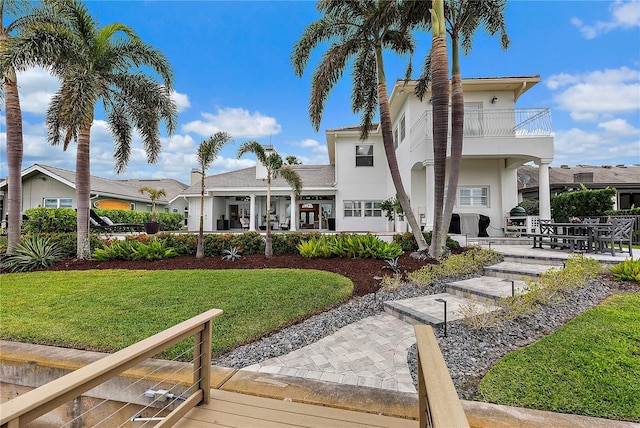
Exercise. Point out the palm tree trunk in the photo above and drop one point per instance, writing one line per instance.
(440, 107)
(268, 248)
(14, 159)
(200, 246)
(390, 152)
(83, 191)
(457, 138)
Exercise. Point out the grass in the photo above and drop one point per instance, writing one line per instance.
(590, 366)
(111, 309)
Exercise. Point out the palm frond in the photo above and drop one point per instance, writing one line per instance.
(292, 177)
(255, 148)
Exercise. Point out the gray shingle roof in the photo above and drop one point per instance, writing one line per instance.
(602, 175)
(313, 176)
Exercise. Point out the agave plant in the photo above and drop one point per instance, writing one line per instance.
(33, 253)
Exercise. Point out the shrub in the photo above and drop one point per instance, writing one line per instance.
(35, 252)
(287, 243)
(50, 220)
(351, 246)
(629, 270)
(582, 203)
(454, 266)
(408, 242)
(134, 250)
(531, 206)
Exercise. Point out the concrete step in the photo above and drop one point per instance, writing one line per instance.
(536, 260)
(513, 270)
(499, 240)
(487, 289)
(428, 310)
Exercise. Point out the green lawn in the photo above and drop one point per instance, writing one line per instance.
(591, 366)
(111, 309)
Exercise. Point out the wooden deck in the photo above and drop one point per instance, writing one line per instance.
(228, 409)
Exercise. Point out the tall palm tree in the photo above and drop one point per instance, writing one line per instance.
(207, 153)
(13, 114)
(275, 167)
(462, 19)
(359, 30)
(99, 64)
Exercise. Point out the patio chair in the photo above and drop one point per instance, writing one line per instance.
(286, 224)
(244, 222)
(103, 222)
(620, 232)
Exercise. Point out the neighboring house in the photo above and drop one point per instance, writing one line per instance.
(624, 178)
(346, 194)
(51, 187)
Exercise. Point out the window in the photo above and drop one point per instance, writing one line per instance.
(58, 203)
(364, 155)
(352, 208)
(395, 137)
(372, 209)
(473, 196)
(403, 129)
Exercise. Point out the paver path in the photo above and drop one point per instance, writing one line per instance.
(371, 352)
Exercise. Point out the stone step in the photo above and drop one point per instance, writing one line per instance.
(513, 270)
(536, 260)
(428, 310)
(499, 240)
(487, 289)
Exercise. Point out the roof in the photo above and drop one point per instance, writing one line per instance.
(128, 189)
(313, 176)
(603, 176)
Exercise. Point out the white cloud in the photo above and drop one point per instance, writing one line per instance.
(314, 153)
(612, 142)
(236, 121)
(36, 87)
(181, 100)
(620, 127)
(179, 143)
(589, 96)
(624, 14)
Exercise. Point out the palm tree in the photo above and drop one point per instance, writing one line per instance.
(359, 30)
(293, 160)
(99, 64)
(275, 167)
(207, 153)
(13, 115)
(462, 19)
(154, 195)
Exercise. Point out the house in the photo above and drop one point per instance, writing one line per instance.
(346, 194)
(624, 178)
(52, 187)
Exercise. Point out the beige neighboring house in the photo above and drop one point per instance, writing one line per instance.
(52, 187)
(346, 194)
(624, 178)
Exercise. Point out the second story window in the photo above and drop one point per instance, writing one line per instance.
(364, 155)
(403, 128)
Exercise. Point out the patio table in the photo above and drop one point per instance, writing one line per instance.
(579, 236)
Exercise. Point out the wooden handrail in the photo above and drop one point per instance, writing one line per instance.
(33, 404)
(439, 405)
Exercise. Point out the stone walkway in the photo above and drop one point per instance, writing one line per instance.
(371, 352)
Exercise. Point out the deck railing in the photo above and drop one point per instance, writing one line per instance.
(33, 404)
(520, 122)
(438, 402)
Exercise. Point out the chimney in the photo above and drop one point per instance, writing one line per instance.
(261, 170)
(196, 177)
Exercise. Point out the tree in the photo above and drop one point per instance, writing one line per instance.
(293, 160)
(13, 115)
(95, 64)
(275, 168)
(207, 153)
(359, 30)
(462, 19)
(154, 195)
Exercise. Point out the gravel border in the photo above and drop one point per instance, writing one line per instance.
(469, 354)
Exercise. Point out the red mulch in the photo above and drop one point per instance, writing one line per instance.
(360, 271)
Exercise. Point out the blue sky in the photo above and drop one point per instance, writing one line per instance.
(232, 73)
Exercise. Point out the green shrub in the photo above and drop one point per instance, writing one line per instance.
(50, 220)
(582, 203)
(154, 249)
(408, 242)
(456, 265)
(32, 253)
(287, 243)
(348, 245)
(531, 206)
(167, 221)
(629, 270)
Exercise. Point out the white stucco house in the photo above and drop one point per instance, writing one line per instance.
(345, 195)
(51, 187)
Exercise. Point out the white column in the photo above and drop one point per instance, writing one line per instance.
(252, 212)
(293, 221)
(431, 197)
(544, 193)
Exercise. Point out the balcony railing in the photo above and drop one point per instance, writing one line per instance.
(521, 123)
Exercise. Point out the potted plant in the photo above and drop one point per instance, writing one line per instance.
(152, 227)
